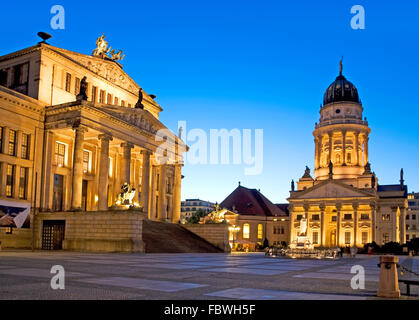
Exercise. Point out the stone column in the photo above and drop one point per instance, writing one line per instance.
(306, 210)
(338, 208)
(316, 153)
(355, 207)
(322, 226)
(373, 222)
(103, 172)
(126, 162)
(356, 135)
(177, 193)
(402, 222)
(145, 181)
(162, 194)
(330, 147)
(77, 168)
(46, 177)
(291, 211)
(344, 147)
(366, 151)
(3, 178)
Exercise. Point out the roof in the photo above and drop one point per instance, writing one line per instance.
(250, 202)
(283, 207)
(390, 188)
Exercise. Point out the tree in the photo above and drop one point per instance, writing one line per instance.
(196, 216)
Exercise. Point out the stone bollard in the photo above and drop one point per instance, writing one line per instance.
(389, 283)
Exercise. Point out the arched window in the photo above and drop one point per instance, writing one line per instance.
(260, 231)
(246, 231)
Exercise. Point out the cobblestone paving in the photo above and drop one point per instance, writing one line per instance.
(26, 275)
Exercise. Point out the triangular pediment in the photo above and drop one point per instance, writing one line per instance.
(109, 70)
(332, 189)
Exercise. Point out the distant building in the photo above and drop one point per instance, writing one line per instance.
(412, 216)
(190, 206)
(254, 218)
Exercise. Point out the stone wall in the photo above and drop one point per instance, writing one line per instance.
(105, 231)
(216, 234)
(18, 239)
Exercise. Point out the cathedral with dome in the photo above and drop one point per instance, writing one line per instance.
(342, 200)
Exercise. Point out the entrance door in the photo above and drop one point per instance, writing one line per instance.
(53, 232)
(57, 202)
(84, 196)
(333, 238)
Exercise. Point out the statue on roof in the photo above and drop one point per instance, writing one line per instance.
(292, 185)
(307, 173)
(116, 56)
(367, 168)
(101, 47)
(139, 103)
(82, 95)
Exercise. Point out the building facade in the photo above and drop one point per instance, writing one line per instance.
(62, 153)
(190, 206)
(253, 219)
(412, 216)
(343, 203)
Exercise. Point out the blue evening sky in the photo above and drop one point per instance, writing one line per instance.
(254, 65)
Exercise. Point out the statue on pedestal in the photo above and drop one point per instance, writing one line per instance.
(83, 89)
(126, 195)
(139, 103)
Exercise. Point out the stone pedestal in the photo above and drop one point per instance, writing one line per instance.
(389, 284)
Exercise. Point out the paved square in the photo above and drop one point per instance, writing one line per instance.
(26, 275)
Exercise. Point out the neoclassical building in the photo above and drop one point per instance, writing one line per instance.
(63, 153)
(343, 202)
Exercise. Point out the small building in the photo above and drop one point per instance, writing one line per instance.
(412, 216)
(254, 220)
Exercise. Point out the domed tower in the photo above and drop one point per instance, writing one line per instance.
(341, 136)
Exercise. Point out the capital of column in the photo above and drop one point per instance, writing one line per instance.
(146, 152)
(338, 207)
(105, 137)
(322, 208)
(79, 129)
(127, 145)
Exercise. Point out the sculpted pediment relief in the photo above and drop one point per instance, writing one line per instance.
(136, 118)
(106, 69)
(331, 190)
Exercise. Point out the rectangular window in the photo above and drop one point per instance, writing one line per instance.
(102, 96)
(315, 217)
(1, 139)
(365, 216)
(122, 103)
(299, 217)
(12, 142)
(364, 237)
(77, 86)
(3, 77)
(407, 217)
(386, 217)
(347, 238)
(260, 231)
(347, 216)
(315, 237)
(10, 178)
(386, 238)
(413, 217)
(334, 219)
(116, 101)
(25, 146)
(86, 161)
(109, 99)
(68, 82)
(246, 231)
(20, 78)
(23, 182)
(157, 182)
(94, 94)
(60, 154)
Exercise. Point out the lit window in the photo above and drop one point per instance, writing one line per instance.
(23, 181)
(364, 237)
(86, 161)
(260, 231)
(60, 154)
(10, 178)
(246, 231)
(110, 166)
(365, 216)
(347, 238)
(12, 142)
(102, 96)
(315, 237)
(386, 217)
(68, 82)
(25, 146)
(94, 94)
(77, 86)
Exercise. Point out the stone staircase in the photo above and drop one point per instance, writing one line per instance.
(163, 237)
